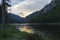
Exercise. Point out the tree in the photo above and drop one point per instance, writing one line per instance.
(5, 4)
(4, 14)
(0, 14)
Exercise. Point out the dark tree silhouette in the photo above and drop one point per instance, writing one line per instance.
(4, 15)
(0, 14)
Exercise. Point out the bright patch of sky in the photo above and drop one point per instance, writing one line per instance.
(0, 1)
(24, 8)
(15, 2)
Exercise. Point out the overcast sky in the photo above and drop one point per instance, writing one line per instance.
(0, 1)
(26, 7)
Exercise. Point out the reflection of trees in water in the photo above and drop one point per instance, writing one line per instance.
(42, 32)
(33, 37)
(51, 32)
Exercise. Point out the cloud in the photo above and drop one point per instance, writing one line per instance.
(29, 6)
(0, 1)
(14, 2)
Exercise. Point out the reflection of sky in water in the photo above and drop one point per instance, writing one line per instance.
(26, 28)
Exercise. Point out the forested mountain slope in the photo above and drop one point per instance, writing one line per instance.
(51, 16)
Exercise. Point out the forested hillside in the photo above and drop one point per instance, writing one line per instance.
(52, 16)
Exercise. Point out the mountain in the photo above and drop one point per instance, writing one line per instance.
(12, 18)
(31, 16)
(49, 14)
(47, 8)
(15, 18)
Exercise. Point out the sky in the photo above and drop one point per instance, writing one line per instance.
(24, 8)
(0, 1)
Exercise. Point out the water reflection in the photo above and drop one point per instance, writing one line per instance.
(26, 28)
(44, 30)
